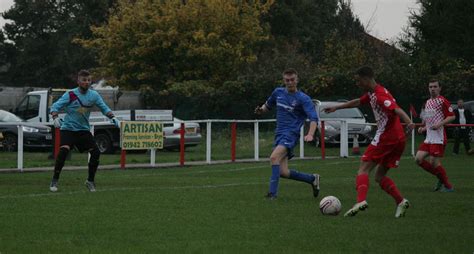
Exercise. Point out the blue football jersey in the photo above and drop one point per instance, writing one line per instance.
(78, 108)
(292, 109)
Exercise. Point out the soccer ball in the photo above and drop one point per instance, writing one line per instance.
(330, 205)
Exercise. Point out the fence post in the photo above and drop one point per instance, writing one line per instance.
(322, 141)
(153, 157)
(302, 142)
(181, 145)
(234, 140)
(20, 147)
(208, 142)
(255, 140)
(344, 151)
(123, 155)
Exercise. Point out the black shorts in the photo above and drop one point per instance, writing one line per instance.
(82, 140)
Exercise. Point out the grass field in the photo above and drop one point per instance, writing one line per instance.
(221, 209)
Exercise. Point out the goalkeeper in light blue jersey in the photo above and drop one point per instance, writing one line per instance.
(75, 129)
(293, 107)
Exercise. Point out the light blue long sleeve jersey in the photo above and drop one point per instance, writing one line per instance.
(292, 109)
(78, 108)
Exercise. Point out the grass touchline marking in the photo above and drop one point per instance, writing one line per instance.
(195, 172)
(34, 195)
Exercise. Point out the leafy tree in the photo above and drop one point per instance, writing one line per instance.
(442, 28)
(158, 42)
(6, 50)
(309, 23)
(174, 49)
(441, 45)
(41, 34)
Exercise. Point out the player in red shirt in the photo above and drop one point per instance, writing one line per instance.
(436, 114)
(387, 146)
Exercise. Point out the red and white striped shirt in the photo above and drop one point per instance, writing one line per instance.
(389, 128)
(436, 110)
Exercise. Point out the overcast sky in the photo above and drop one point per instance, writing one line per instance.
(384, 19)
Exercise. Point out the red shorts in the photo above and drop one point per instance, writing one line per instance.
(387, 155)
(435, 150)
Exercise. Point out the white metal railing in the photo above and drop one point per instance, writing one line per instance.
(344, 138)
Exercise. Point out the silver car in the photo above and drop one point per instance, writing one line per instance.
(357, 126)
(172, 136)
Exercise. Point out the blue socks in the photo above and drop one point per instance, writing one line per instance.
(303, 177)
(274, 179)
(294, 175)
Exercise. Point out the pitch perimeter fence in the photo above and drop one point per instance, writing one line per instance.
(343, 134)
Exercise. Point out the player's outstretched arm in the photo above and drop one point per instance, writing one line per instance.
(312, 129)
(259, 110)
(350, 104)
(405, 118)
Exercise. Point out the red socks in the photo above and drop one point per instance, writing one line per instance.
(362, 187)
(427, 166)
(439, 172)
(389, 186)
(443, 177)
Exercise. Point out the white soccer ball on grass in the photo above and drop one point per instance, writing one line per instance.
(330, 205)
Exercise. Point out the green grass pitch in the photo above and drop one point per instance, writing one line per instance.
(221, 209)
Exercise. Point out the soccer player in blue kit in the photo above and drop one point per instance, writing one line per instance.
(75, 129)
(293, 107)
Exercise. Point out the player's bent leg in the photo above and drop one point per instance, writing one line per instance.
(278, 153)
(362, 180)
(58, 166)
(443, 184)
(425, 161)
(440, 172)
(420, 157)
(284, 170)
(362, 187)
(387, 184)
(93, 165)
(434, 166)
(293, 174)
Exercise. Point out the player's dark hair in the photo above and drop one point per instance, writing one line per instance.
(83, 73)
(434, 80)
(366, 72)
(290, 71)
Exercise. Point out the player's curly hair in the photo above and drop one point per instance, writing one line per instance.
(366, 72)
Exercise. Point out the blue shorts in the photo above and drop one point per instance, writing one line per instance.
(287, 141)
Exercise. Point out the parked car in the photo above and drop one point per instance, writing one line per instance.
(357, 126)
(172, 136)
(34, 135)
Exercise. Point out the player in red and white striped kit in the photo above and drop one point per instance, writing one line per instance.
(437, 113)
(387, 146)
